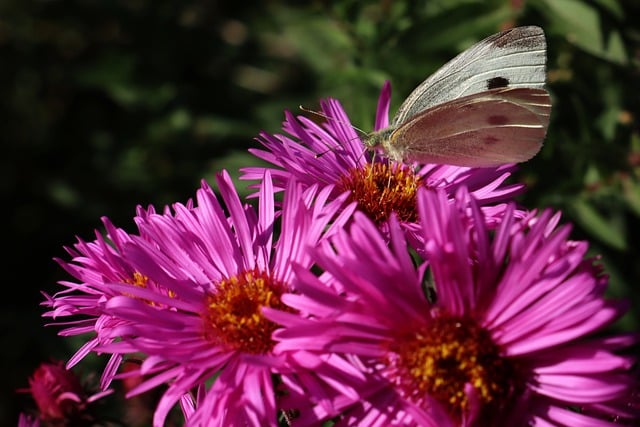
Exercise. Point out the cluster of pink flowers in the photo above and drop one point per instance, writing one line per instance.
(350, 290)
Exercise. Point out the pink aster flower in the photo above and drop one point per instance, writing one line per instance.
(80, 306)
(507, 328)
(219, 263)
(60, 397)
(333, 153)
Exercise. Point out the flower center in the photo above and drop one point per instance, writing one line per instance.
(380, 189)
(234, 317)
(139, 280)
(445, 356)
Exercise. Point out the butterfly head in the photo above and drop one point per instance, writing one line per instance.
(383, 139)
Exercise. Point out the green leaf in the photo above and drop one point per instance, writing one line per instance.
(580, 22)
(611, 6)
(603, 228)
(631, 195)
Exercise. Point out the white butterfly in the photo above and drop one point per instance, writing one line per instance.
(486, 107)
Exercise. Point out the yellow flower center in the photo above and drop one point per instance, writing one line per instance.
(234, 313)
(380, 189)
(443, 357)
(139, 280)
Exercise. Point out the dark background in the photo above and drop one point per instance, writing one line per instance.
(105, 105)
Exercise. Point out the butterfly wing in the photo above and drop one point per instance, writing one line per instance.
(513, 58)
(495, 127)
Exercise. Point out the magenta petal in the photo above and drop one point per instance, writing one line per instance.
(382, 112)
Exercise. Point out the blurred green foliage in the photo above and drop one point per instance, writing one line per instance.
(107, 104)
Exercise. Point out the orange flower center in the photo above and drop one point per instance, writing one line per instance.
(445, 356)
(234, 313)
(380, 189)
(139, 280)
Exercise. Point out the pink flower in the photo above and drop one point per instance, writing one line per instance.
(505, 327)
(217, 264)
(333, 153)
(59, 396)
(95, 265)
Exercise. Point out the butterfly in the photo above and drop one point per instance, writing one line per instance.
(486, 107)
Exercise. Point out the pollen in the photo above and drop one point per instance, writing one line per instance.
(446, 356)
(233, 317)
(139, 280)
(380, 188)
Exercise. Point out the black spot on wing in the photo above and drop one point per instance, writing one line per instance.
(497, 82)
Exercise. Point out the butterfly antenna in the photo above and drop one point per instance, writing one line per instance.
(322, 153)
(326, 117)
